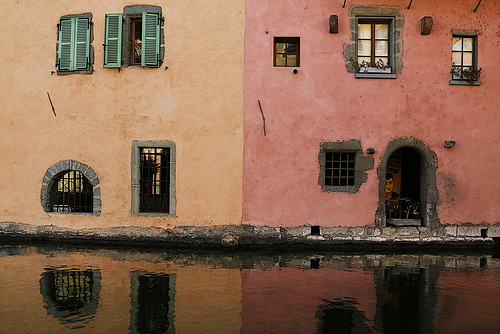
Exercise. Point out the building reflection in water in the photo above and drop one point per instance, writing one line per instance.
(71, 295)
(152, 297)
(405, 299)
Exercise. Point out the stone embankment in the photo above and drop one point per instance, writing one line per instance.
(246, 236)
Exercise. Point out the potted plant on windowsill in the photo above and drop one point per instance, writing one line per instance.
(468, 74)
(379, 67)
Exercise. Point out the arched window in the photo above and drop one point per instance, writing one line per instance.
(72, 192)
(71, 187)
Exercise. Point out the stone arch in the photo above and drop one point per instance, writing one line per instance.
(428, 189)
(54, 171)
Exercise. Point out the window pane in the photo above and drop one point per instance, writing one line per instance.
(467, 44)
(382, 31)
(384, 60)
(467, 59)
(364, 59)
(280, 47)
(457, 44)
(364, 48)
(280, 60)
(457, 58)
(291, 60)
(364, 31)
(381, 48)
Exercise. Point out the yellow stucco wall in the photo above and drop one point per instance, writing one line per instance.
(197, 103)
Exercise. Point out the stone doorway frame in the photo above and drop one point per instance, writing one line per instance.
(428, 189)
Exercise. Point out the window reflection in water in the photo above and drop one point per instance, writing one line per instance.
(341, 316)
(70, 295)
(152, 297)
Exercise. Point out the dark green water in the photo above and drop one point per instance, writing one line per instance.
(56, 289)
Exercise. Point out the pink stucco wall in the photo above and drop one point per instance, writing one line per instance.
(325, 103)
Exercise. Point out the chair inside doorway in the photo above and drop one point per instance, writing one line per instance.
(403, 200)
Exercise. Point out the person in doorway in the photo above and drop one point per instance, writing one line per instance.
(390, 195)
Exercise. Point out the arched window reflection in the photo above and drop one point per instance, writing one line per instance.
(152, 297)
(70, 295)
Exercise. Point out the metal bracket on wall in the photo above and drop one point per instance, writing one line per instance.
(263, 118)
(477, 6)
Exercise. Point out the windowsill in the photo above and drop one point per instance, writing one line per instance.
(153, 214)
(73, 213)
(375, 75)
(340, 189)
(464, 83)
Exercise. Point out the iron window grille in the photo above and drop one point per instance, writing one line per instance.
(154, 181)
(286, 51)
(339, 169)
(72, 193)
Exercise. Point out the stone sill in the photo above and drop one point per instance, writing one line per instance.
(464, 83)
(404, 222)
(375, 76)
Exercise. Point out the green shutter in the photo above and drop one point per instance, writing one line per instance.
(82, 44)
(73, 44)
(65, 49)
(113, 41)
(150, 56)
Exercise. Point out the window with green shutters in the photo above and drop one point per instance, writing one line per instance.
(73, 51)
(133, 38)
(150, 56)
(113, 41)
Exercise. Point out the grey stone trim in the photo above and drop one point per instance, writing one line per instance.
(135, 11)
(464, 83)
(396, 20)
(361, 164)
(135, 176)
(262, 237)
(91, 51)
(428, 189)
(64, 166)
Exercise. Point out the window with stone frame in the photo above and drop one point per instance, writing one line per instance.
(342, 166)
(134, 37)
(376, 44)
(153, 178)
(71, 187)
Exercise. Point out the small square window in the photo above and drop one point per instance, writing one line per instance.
(287, 51)
(342, 166)
(339, 169)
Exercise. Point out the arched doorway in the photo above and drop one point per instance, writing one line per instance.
(402, 188)
(407, 185)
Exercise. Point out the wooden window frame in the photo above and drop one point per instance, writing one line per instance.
(373, 69)
(133, 43)
(462, 52)
(288, 40)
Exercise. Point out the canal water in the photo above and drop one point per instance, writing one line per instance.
(55, 289)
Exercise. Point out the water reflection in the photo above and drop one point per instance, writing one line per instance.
(152, 297)
(70, 295)
(91, 290)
